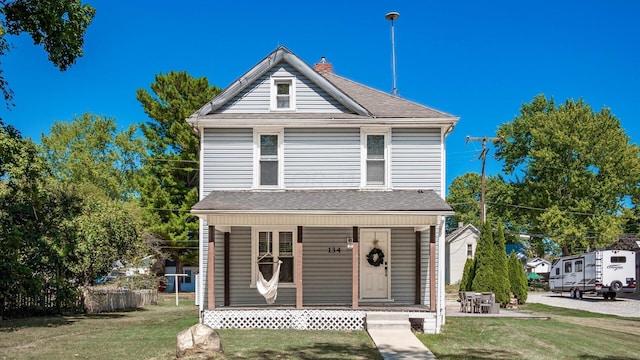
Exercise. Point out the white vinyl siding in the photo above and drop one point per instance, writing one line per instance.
(309, 98)
(227, 159)
(322, 158)
(416, 159)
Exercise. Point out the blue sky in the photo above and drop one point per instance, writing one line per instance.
(477, 60)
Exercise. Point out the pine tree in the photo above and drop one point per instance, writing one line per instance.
(501, 270)
(484, 260)
(467, 275)
(517, 278)
(169, 181)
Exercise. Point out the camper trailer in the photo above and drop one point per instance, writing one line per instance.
(605, 272)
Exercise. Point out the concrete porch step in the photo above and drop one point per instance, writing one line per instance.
(387, 320)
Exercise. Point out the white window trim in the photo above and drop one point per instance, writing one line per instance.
(255, 231)
(256, 157)
(292, 92)
(387, 157)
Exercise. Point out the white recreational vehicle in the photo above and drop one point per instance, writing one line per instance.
(605, 272)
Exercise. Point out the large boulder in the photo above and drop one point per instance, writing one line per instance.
(198, 341)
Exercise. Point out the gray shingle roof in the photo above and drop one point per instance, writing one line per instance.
(381, 104)
(363, 101)
(454, 234)
(323, 200)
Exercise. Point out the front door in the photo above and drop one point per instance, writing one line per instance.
(375, 270)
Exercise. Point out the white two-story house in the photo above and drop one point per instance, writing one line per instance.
(333, 185)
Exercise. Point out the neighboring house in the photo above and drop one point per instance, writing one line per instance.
(187, 283)
(538, 266)
(519, 250)
(460, 245)
(342, 183)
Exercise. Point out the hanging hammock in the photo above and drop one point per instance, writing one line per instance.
(269, 289)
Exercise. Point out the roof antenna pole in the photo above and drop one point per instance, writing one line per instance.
(393, 16)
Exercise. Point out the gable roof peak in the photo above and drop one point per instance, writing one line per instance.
(281, 53)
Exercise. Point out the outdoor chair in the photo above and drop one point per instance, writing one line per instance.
(486, 303)
(469, 301)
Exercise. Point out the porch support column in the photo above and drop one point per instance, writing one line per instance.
(418, 254)
(227, 270)
(211, 256)
(355, 269)
(298, 268)
(432, 268)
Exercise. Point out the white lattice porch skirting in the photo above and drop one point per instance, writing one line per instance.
(308, 319)
(285, 319)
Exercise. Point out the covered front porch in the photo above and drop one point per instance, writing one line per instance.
(340, 263)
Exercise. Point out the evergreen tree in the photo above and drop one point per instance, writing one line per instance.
(467, 275)
(517, 278)
(169, 181)
(501, 270)
(484, 261)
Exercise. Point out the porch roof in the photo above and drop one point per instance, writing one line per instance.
(323, 207)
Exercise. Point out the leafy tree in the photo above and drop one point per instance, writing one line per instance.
(105, 232)
(517, 279)
(464, 198)
(58, 25)
(89, 150)
(574, 168)
(32, 212)
(169, 182)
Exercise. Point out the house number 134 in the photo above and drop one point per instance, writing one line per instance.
(334, 250)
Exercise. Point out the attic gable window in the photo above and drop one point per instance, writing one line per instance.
(282, 94)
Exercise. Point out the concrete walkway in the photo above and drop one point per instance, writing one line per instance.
(399, 345)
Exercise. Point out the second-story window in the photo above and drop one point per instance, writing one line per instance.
(269, 159)
(375, 160)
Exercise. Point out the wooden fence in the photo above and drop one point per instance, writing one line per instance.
(44, 303)
(97, 300)
(90, 300)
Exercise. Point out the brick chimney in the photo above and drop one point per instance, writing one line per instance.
(323, 66)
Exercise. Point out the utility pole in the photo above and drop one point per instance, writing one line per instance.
(483, 157)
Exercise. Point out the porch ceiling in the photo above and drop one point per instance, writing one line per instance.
(322, 208)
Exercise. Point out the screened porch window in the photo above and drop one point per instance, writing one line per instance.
(274, 246)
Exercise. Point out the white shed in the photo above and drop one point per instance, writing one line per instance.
(460, 245)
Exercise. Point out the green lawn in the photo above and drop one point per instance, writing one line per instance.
(150, 333)
(567, 334)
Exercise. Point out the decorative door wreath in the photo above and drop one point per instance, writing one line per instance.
(375, 257)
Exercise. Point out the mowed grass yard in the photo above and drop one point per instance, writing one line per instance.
(150, 333)
(566, 334)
